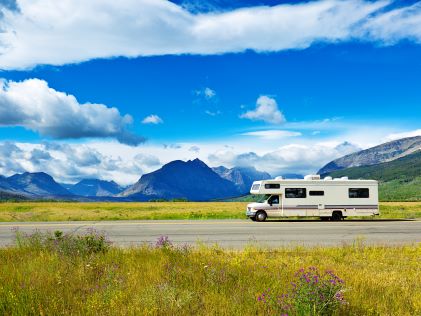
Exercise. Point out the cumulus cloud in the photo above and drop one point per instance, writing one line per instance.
(272, 134)
(209, 93)
(266, 110)
(394, 136)
(147, 160)
(392, 26)
(70, 31)
(32, 104)
(194, 149)
(295, 158)
(70, 163)
(152, 119)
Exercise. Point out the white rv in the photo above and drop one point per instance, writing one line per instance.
(326, 198)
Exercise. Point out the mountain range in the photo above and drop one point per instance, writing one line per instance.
(94, 187)
(192, 180)
(242, 177)
(382, 153)
(399, 177)
(31, 185)
(396, 165)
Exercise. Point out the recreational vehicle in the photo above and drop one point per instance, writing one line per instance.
(329, 199)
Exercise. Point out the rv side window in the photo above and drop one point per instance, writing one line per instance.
(295, 193)
(358, 193)
(274, 199)
(316, 193)
(272, 186)
(255, 187)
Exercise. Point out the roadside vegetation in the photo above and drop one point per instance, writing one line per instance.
(73, 211)
(59, 274)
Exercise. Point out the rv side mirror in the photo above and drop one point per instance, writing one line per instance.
(270, 203)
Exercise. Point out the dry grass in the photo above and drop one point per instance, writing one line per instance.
(202, 281)
(71, 211)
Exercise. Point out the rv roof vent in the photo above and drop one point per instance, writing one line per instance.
(312, 177)
(328, 178)
(278, 178)
(344, 178)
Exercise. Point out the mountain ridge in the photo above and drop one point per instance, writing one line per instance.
(192, 180)
(385, 152)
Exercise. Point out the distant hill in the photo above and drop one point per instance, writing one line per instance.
(399, 179)
(192, 180)
(242, 177)
(375, 155)
(7, 195)
(95, 187)
(36, 184)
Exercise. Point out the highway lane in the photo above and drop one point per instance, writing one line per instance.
(235, 233)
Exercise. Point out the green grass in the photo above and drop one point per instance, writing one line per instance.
(401, 190)
(202, 280)
(73, 211)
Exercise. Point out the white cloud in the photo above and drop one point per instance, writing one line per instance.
(110, 160)
(390, 27)
(212, 113)
(394, 136)
(272, 134)
(209, 93)
(152, 119)
(266, 110)
(194, 149)
(70, 31)
(292, 158)
(32, 104)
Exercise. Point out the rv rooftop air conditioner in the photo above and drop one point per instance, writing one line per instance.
(312, 177)
(344, 178)
(327, 178)
(278, 178)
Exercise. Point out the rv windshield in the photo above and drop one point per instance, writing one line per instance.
(259, 198)
(264, 198)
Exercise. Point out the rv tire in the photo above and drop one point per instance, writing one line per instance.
(261, 216)
(336, 216)
(253, 218)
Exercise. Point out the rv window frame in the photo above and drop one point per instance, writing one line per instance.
(295, 197)
(255, 187)
(318, 191)
(358, 194)
(272, 186)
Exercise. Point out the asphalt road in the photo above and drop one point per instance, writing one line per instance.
(235, 233)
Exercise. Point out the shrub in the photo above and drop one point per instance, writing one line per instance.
(64, 244)
(163, 242)
(312, 293)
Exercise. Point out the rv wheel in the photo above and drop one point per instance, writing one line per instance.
(336, 216)
(261, 216)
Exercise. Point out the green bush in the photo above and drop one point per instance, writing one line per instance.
(64, 244)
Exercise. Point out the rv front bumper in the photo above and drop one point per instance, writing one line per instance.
(250, 212)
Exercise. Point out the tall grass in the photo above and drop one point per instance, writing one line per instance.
(166, 280)
(72, 211)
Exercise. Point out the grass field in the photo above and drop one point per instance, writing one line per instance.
(163, 280)
(66, 211)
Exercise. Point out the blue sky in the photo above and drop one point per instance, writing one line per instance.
(284, 97)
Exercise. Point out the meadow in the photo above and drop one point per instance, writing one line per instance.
(64, 275)
(74, 211)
